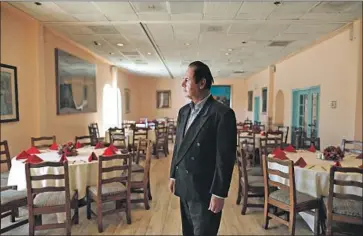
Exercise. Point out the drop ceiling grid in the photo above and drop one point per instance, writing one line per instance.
(189, 39)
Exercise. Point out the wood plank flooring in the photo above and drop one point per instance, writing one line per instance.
(163, 218)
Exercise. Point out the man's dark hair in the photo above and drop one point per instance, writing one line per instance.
(202, 71)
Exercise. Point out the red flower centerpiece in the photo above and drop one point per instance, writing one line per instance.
(332, 153)
(68, 149)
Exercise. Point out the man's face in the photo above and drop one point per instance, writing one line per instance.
(190, 87)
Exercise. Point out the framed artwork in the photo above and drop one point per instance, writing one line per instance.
(127, 100)
(222, 93)
(163, 99)
(75, 84)
(9, 105)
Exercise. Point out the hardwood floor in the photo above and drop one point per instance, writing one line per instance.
(163, 218)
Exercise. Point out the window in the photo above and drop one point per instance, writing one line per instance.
(264, 100)
(250, 96)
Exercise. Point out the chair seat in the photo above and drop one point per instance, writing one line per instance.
(51, 199)
(137, 168)
(255, 181)
(346, 207)
(284, 196)
(109, 189)
(255, 171)
(12, 195)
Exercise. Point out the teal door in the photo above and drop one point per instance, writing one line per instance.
(306, 110)
(256, 111)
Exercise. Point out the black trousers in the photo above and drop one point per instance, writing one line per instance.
(197, 219)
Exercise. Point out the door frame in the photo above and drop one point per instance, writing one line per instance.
(295, 105)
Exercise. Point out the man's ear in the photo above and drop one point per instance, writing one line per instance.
(203, 83)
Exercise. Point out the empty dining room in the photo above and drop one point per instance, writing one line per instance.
(181, 117)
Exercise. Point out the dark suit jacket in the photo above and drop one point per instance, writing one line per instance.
(204, 158)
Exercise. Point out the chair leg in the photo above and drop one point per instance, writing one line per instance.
(88, 205)
(245, 200)
(146, 198)
(99, 216)
(238, 201)
(149, 190)
(31, 225)
(76, 212)
(128, 210)
(13, 214)
(265, 214)
(317, 222)
(292, 223)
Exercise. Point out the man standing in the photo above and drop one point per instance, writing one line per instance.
(204, 154)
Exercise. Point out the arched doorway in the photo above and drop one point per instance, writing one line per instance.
(279, 108)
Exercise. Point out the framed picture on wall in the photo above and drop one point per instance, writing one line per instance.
(127, 100)
(222, 93)
(75, 84)
(163, 99)
(9, 105)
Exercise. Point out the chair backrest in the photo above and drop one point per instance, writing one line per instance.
(139, 133)
(336, 183)
(117, 135)
(123, 166)
(289, 176)
(81, 139)
(242, 167)
(354, 146)
(4, 151)
(94, 128)
(285, 130)
(307, 142)
(148, 160)
(43, 145)
(59, 177)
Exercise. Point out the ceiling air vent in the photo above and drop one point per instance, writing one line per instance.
(238, 72)
(140, 62)
(279, 43)
(132, 54)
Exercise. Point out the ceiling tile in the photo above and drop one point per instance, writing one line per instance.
(312, 29)
(154, 16)
(336, 6)
(150, 7)
(255, 10)
(186, 17)
(90, 17)
(103, 29)
(186, 7)
(291, 10)
(115, 8)
(75, 8)
(221, 10)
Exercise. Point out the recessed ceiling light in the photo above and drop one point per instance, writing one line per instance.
(120, 44)
(96, 43)
(230, 49)
(187, 44)
(244, 42)
(111, 53)
(149, 53)
(226, 53)
(38, 3)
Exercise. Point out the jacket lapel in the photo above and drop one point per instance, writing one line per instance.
(194, 128)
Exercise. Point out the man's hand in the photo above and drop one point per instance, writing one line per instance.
(216, 204)
(172, 185)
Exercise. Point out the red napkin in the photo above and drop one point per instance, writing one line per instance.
(99, 145)
(263, 133)
(33, 150)
(276, 151)
(113, 148)
(92, 157)
(281, 156)
(301, 162)
(78, 145)
(34, 159)
(360, 156)
(337, 163)
(290, 148)
(108, 152)
(312, 148)
(23, 155)
(63, 158)
(54, 146)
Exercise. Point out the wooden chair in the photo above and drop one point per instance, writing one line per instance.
(50, 200)
(341, 207)
(116, 189)
(4, 151)
(307, 142)
(95, 134)
(287, 198)
(141, 180)
(171, 131)
(354, 146)
(138, 133)
(249, 186)
(267, 145)
(81, 140)
(117, 137)
(248, 143)
(11, 200)
(42, 139)
(285, 130)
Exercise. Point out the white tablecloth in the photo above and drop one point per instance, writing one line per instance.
(313, 179)
(81, 172)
